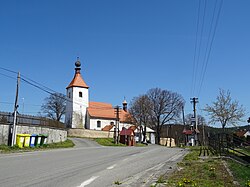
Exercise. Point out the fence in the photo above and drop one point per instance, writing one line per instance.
(230, 145)
(7, 118)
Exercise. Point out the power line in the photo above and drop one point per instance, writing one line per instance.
(11, 71)
(211, 44)
(195, 48)
(8, 76)
(200, 42)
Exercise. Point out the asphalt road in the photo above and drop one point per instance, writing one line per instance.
(89, 165)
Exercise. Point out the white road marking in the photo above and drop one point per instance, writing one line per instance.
(87, 182)
(111, 167)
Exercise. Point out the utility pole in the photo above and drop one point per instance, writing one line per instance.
(13, 138)
(117, 130)
(194, 100)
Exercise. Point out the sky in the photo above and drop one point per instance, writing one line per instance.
(126, 48)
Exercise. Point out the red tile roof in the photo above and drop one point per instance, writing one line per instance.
(105, 110)
(77, 81)
(240, 133)
(127, 132)
(107, 127)
(187, 132)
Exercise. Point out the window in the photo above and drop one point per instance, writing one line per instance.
(69, 94)
(98, 124)
(80, 94)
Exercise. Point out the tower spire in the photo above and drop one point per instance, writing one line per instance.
(78, 80)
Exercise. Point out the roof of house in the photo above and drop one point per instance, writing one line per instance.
(107, 127)
(187, 132)
(105, 110)
(77, 81)
(126, 132)
(240, 133)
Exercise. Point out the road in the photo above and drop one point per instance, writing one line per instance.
(87, 165)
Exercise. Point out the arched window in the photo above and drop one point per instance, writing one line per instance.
(98, 124)
(80, 94)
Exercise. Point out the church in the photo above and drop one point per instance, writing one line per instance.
(82, 113)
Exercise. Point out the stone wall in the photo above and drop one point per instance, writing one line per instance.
(86, 133)
(54, 134)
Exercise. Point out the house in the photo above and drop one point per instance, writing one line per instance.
(127, 136)
(243, 133)
(82, 113)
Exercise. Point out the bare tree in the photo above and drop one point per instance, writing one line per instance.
(224, 110)
(54, 106)
(140, 109)
(166, 106)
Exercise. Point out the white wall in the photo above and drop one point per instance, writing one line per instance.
(93, 124)
(76, 107)
(104, 122)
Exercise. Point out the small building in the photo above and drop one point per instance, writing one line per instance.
(189, 137)
(127, 136)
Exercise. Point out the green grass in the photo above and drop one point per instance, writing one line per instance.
(194, 171)
(193, 154)
(240, 172)
(107, 142)
(110, 142)
(16, 149)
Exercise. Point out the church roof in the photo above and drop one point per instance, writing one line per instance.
(77, 81)
(106, 111)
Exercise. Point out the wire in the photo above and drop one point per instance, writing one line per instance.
(195, 48)
(211, 44)
(8, 76)
(9, 70)
(200, 42)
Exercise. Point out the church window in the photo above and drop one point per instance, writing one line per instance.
(98, 124)
(80, 94)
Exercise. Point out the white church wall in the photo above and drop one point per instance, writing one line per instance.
(77, 106)
(103, 123)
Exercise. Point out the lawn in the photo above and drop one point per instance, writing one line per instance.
(194, 171)
(240, 172)
(110, 142)
(107, 142)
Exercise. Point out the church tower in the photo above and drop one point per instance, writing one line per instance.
(77, 100)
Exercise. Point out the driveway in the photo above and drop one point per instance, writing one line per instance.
(84, 142)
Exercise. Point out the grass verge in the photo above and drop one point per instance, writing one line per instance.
(16, 149)
(107, 142)
(110, 142)
(240, 172)
(193, 171)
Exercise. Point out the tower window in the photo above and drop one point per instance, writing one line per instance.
(69, 94)
(98, 124)
(80, 94)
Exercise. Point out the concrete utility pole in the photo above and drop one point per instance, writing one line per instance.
(117, 130)
(194, 100)
(13, 138)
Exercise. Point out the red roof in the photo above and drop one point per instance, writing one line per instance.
(187, 132)
(105, 110)
(240, 133)
(107, 127)
(127, 132)
(77, 81)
